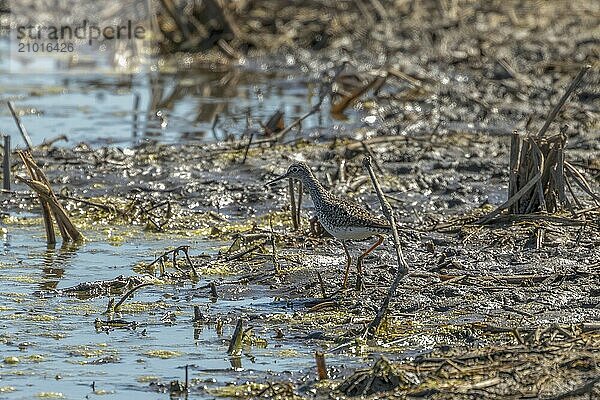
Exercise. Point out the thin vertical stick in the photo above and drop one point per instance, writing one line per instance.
(235, 345)
(322, 285)
(559, 176)
(321, 368)
(515, 147)
(136, 111)
(402, 264)
(563, 99)
(248, 148)
(20, 125)
(276, 265)
(6, 163)
(186, 377)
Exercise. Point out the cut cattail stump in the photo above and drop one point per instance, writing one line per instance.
(321, 368)
(539, 175)
(50, 205)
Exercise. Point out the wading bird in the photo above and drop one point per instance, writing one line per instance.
(343, 219)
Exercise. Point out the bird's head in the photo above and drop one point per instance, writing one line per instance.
(298, 170)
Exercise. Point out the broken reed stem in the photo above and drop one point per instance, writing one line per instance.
(322, 285)
(235, 345)
(321, 367)
(186, 378)
(341, 105)
(6, 164)
(213, 290)
(136, 110)
(510, 201)
(325, 90)
(198, 317)
(581, 181)
(402, 265)
(248, 148)
(186, 250)
(128, 295)
(50, 204)
(370, 153)
(515, 148)
(562, 100)
(20, 125)
(175, 252)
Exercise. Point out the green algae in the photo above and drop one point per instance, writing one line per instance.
(50, 395)
(133, 307)
(164, 354)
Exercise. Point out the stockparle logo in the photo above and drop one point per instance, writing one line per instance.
(81, 36)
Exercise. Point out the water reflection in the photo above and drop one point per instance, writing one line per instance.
(54, 263)
(189, 105)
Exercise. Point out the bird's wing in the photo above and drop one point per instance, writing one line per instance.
(352, 211)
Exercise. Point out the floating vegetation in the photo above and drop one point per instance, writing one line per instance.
(164, 354)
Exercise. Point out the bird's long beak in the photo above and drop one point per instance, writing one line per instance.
(277, 179)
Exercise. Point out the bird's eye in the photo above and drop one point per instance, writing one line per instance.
(294, 169)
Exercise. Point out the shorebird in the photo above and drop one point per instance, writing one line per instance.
(343, 219)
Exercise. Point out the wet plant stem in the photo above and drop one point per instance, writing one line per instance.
(20, 125)
(322, 285)
(136, 110)
(402, 264)
(247, 148)
(235, 345)
(129, 293)
(6, 164)
(321, 367)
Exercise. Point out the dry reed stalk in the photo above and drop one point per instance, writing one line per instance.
(50, 205)
(538, 171)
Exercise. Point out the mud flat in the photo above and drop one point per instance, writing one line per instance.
(193, 268)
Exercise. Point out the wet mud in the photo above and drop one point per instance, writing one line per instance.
(504, 308)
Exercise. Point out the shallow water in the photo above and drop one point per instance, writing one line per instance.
(173, 107)
(59, 350)
(54, 338)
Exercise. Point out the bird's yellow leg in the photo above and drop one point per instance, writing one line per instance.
(360, 261)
